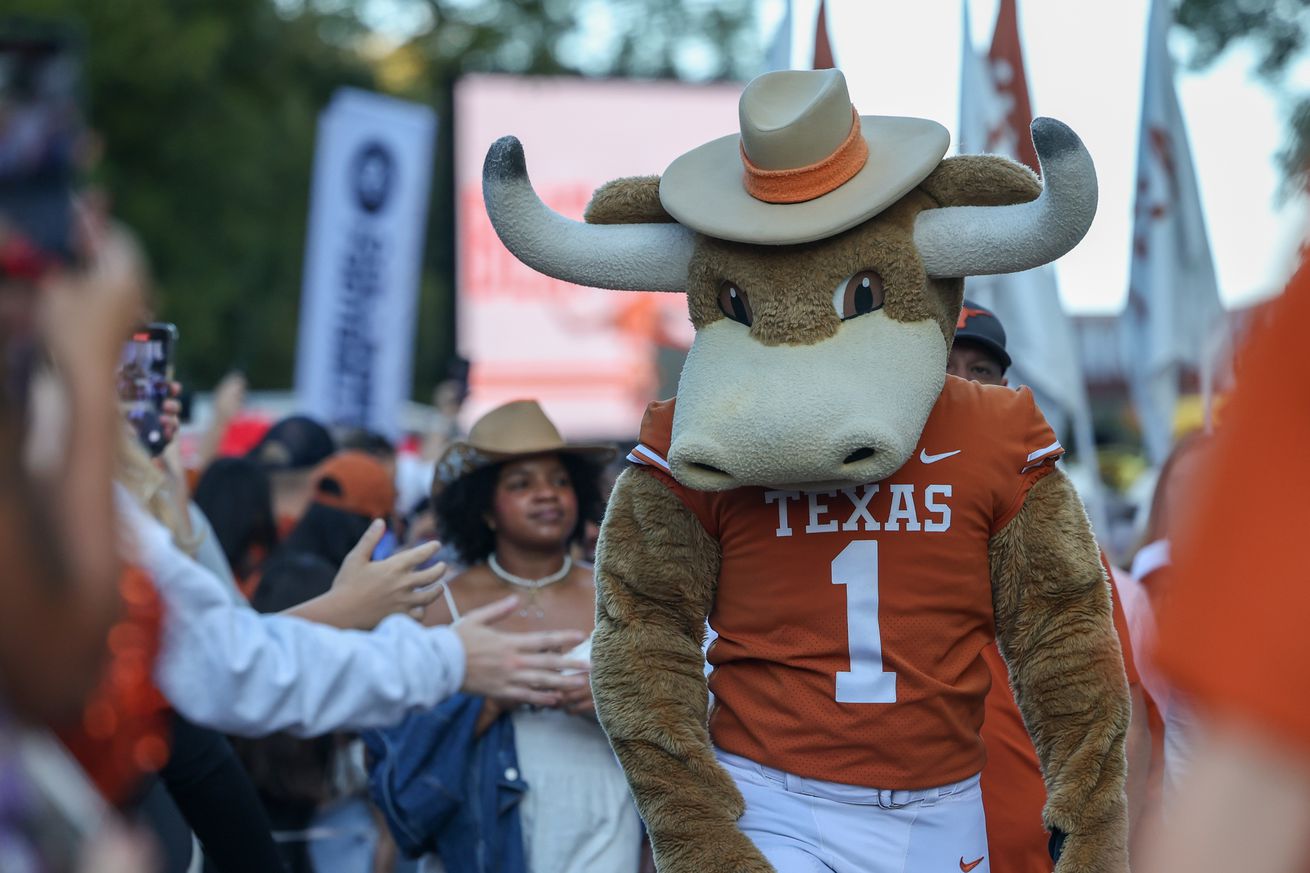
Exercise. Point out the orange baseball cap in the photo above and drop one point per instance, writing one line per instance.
(355, 482)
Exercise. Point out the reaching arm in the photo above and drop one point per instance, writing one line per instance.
(656, 571)
(229, 668)
(1054, 627)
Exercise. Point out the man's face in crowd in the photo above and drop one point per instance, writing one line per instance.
(971, 361)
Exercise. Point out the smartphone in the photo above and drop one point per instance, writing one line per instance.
(389, 545)
(145, 380)
(386, 547)
(43, 137)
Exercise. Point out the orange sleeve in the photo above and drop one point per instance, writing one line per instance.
(1121, 627)
(651, 454)
(1233, 628)
(1029, 454)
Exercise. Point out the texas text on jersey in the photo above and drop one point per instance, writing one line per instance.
(851, 623)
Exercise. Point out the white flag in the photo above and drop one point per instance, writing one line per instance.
(995, 118)
(1173, 306)
(368, 210)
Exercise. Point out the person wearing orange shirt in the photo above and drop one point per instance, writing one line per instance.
(1012, 788)
(1233, 627)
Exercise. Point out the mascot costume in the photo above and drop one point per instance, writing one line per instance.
(854, 525)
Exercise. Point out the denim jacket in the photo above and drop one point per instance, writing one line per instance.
(446, 790)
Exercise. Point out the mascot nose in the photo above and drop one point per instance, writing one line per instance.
(861, 454)
(707, 467)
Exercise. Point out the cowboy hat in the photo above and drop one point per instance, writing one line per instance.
(517, 429)
(806, 166)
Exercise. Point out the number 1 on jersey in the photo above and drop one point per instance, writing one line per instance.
(866, 682)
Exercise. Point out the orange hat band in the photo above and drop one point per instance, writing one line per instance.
(798, 184)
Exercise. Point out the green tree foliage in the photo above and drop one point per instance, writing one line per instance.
(1277, 29)
(208, 110)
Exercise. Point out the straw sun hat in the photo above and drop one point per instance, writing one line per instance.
(518, 429)
(805, 165)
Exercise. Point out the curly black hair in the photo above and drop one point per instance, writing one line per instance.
(462, 506)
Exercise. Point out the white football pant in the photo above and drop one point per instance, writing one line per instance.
(810, 826)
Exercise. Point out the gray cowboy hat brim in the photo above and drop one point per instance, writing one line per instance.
(703, 188)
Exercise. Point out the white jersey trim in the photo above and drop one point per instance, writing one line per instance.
(1149, 558)
(1041, 456)
(643, 454)
(1046, 451)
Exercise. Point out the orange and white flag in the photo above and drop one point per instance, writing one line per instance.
(995, 117)
(802, 40)
(1173, 313)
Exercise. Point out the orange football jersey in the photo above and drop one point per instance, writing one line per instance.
(851, 623)
(1012, 786)
(1233, 629)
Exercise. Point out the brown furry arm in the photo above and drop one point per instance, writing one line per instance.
(1054, 626)
(656, 571)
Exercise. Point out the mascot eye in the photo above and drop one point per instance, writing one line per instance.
(859, 295)
(735, 304)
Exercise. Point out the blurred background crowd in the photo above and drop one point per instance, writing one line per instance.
(297, 578)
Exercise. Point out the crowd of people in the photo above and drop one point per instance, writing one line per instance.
(287, 658)
(208, 656)
(272, 663)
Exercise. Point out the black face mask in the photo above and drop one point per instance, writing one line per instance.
(326, 533)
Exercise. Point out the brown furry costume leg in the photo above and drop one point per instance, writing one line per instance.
(1054, 626)
(655, 579)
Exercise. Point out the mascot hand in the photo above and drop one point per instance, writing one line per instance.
(1089, 853)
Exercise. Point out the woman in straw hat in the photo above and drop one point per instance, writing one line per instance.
(512, 499)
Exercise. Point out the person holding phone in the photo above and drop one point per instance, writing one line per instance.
(71, 284)
(58, 536)
(69, 291)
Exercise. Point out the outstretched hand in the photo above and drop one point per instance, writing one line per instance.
(518, 668)
(368, 591)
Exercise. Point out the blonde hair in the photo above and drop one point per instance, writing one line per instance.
(139, 475)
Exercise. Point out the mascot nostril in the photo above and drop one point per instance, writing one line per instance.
(707, 468)
(851, 616)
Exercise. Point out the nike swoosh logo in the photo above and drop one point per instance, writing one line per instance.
(967, 867)
(932, 459)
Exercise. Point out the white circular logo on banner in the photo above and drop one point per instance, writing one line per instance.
(374, 171)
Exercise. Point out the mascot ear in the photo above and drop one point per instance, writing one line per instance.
(633, 200)
(981, 180)
(990, 223)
